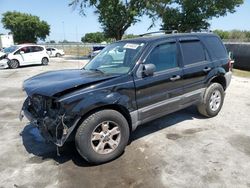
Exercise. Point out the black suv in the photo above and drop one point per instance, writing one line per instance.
(127, 84)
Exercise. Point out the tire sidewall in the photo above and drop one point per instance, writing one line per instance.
(10, 63)
(83, 137)
(211, 89)
(47, 61)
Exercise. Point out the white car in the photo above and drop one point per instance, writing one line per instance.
(26, 54)
(54, 52)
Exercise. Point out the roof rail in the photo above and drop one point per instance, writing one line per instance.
(201, 31)
(161, 31)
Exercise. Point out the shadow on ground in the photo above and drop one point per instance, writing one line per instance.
(36, 145)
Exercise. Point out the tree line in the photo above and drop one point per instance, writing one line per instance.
(116, 16)
(234, 35)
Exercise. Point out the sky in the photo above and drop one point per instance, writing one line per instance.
(66, 23)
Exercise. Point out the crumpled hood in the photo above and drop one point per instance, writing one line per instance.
(51, 83)
(2, 54)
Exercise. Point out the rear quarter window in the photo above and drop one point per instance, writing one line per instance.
(215, 47)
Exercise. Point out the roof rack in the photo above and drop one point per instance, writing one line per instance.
(161, 31)
(201, 31)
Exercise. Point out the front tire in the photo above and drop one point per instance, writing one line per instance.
(13, 64)
(102, 136)
(212, 101)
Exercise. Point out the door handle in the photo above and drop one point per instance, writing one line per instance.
(207, 69)
(176, 77)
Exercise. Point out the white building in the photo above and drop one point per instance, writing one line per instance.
(6, 41)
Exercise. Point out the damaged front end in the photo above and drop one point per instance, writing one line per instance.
(4, 61)
(54, 121)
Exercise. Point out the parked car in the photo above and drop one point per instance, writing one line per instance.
(54, 52)
(100, 105)
(95, 51)
(26, 54)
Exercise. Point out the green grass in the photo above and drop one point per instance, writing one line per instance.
(241, 73)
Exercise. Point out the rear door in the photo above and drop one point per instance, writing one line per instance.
(196, 65)
(37, 54)
(160, 94)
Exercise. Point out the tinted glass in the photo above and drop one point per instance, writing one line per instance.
(26, 49)
(193, 52)
(163, 57)
(215, 47)
(36, 48)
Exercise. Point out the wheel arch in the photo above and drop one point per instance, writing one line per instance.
(15, 60)
(217, 76)
(219, 79)
(117, 107)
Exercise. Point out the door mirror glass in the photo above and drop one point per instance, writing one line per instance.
(148, 69)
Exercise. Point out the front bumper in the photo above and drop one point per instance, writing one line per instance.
(4, 63)
(46, 126)
(228, 77)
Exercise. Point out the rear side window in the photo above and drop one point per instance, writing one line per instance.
(163, 57)
(193, 52)
(36, 49)
(215, 47)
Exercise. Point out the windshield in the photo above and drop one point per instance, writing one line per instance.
(10, 49)
(116, 58)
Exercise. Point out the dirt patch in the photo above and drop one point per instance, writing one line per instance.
(193, 131)
(173, 136)
(241, 143)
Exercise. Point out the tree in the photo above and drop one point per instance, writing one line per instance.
(96, 37)
(222, 34)
(129, 36)
(115, 16)
(25, 27)
(191, 15)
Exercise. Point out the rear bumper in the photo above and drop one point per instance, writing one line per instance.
(228, 77)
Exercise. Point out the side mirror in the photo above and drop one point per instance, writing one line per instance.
(148, 69)
(21, 52)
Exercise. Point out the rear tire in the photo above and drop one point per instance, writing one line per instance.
(45, 61)
(213, 100)
(58, 55)
(102, 136)
(13, 64)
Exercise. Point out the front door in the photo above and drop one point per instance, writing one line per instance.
(25, 54)
(159, 94)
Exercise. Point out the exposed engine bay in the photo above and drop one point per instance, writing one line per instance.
(50, 118)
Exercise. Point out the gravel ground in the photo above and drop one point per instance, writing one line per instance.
(182, 149)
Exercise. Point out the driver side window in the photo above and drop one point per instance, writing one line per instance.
(163, 56)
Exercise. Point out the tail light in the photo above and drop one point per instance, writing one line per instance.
(230, 64)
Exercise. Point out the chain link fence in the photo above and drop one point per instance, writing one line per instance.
(76, 49)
